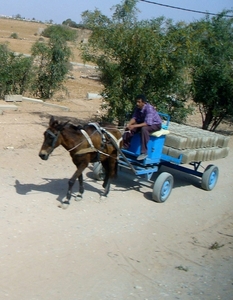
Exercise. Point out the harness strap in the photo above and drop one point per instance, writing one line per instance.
(92, 147)
(84, 151)
(88, 139)
(112, 137)
(97, 127)
(100, 130)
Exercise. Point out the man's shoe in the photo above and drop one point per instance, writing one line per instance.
(142, 156)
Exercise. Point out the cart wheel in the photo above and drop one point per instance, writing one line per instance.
(209, 177)
(162, 187)
(98, 171)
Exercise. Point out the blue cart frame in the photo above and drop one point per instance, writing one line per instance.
(163, 185)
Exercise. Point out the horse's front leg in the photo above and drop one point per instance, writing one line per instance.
(81, 188)
(71, 183)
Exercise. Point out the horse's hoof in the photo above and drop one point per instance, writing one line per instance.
(64, 204)
(78, 197)
(103, 198)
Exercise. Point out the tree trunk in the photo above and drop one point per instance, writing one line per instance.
(207, 120)
(216, 122)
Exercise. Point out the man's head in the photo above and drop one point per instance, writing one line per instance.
(140, 101)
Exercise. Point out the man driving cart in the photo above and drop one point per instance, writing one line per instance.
(146, 120)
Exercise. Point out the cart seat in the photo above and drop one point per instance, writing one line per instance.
(160, 132)
(154, 146)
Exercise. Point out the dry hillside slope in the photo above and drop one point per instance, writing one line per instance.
(28, 33)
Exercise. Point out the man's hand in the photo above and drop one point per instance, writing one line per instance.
(130, 126)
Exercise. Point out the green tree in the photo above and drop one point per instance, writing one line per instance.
(62, 31)
(212, 68)
(15, 72)
(51, 63)
(138, 57)
(126, 12)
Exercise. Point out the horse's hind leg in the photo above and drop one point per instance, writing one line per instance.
(110, 172)
(106, 186)
(106, 183)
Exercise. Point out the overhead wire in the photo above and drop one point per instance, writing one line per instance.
(185, 9)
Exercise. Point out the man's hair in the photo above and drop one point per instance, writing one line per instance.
(142, 97)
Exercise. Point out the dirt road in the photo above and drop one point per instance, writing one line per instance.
(126, 247)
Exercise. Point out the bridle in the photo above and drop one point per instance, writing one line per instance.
(55, 138)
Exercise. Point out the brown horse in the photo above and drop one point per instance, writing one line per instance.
(86, 144)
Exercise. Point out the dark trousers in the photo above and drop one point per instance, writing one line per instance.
(145, 135)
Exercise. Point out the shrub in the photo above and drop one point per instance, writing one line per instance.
(14, 35)
(61, 31)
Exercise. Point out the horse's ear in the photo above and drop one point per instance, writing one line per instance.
(61, 126)
(64, 124)
(79, 127)
(51, 121)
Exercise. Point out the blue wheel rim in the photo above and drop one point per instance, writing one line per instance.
(212, 179)
(166, 189)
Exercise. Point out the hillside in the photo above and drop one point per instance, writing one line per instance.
(28, 33)
(78, 84)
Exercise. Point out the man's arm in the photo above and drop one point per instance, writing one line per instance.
(131, 123)
(135, 125)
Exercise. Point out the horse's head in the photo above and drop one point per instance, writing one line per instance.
(51, 138)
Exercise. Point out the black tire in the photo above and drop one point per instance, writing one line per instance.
(210, 177)
(98, 170)
(162, 187)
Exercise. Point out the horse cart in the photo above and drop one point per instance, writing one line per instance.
(183, 156)
(175, 146)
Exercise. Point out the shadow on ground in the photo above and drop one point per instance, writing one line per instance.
(53, 186)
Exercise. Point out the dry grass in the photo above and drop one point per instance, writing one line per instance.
(28, 33)
(23, 28)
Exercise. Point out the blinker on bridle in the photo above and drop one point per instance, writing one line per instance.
(54, 136)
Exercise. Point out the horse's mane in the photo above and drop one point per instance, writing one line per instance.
(79, 126)
(76, 127)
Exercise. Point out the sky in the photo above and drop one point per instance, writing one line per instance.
(61, 10)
